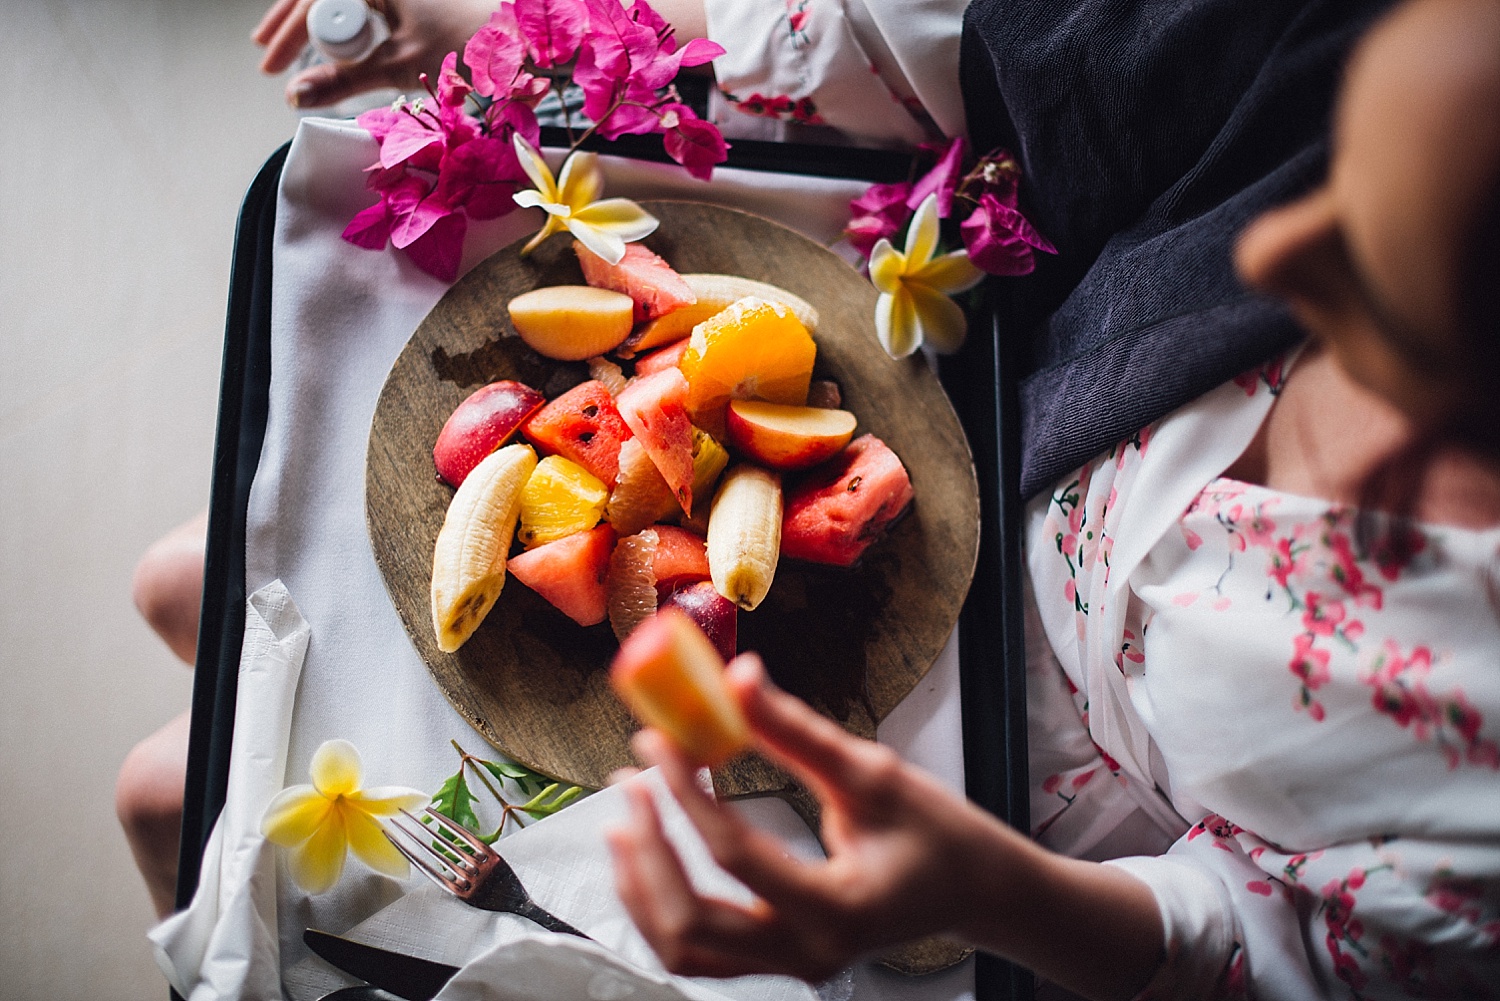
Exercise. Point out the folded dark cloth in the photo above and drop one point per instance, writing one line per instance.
(1149, 134)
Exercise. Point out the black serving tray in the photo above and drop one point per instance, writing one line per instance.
(981, 380)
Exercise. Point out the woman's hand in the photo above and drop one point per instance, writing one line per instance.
(899, 845)
(423, 32)
(906, 858)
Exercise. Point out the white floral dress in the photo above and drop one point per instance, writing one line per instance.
(882, 72)
(1285, 716)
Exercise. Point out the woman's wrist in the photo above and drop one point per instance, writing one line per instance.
(1091, 928)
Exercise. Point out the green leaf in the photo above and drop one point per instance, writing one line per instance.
(454, 801)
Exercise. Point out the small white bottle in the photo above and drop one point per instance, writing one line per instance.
(345, 31)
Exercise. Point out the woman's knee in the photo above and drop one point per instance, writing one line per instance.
(168, 586)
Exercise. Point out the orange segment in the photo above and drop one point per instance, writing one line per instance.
(753, 350)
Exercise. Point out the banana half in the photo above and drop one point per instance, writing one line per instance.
(468, 563)
(744, 534)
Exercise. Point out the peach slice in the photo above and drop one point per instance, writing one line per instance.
(572, 322)
(672, 678)
(787, 437)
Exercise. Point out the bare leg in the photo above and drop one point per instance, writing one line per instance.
(148, 801)
(168, 588)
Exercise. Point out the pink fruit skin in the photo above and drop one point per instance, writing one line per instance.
(846, 504)
(655, 409)
(481, 424)
(569, 572)
(715, 614)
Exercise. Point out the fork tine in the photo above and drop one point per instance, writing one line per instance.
(424, 862)
(480, 848)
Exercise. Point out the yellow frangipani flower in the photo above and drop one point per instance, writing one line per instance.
(914, 287)
(602, 226)
(322, 822)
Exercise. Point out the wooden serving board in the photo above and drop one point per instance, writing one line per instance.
(851, 642)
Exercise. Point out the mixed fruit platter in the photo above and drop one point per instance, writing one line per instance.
(718, 455)
(701, 452)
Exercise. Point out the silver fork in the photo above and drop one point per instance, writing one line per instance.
(470, 869)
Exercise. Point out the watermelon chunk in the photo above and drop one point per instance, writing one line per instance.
(584, 425)
(646, 278)
(681, 558)
(845, 504)
(661, 358)
(655, 410)
(570, 573)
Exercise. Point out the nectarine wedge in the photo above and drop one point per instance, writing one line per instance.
(672, 678)
(572, 322)
(787, 437)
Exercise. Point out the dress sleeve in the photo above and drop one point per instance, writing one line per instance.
(1395, 918)
(862, 67)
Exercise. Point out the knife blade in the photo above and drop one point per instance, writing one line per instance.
(410, 977)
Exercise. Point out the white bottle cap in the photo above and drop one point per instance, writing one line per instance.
(345, 31)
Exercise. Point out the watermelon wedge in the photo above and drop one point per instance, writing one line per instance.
(584, 425)
(845, 504)
(570, 573)
(646, 278)
(655, 410)
(681, 558)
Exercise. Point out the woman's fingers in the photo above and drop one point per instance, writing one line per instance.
(329, 83)
(838, 766)
(287, 39)
(278, 13)
(754, 857)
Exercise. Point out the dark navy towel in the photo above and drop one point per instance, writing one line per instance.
(1149, 133)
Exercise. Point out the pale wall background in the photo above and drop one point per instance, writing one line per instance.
(129, 131)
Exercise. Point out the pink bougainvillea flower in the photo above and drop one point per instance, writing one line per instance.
(1001, 240)
(552, 29)
(877, 215)
(496, 56)
(942, 180)
(691, 141)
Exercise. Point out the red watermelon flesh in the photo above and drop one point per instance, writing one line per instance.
(584, 425)
(646, 278)
(681, 558)
(667, 357)
(570, 573)
(655, 410)
(845, 504)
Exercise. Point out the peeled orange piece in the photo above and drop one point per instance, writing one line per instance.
(559, 499)
(752, 350)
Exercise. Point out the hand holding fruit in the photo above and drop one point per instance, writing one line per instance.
(907, 858)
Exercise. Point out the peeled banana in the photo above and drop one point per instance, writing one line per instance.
(468, 563)
(744, 534)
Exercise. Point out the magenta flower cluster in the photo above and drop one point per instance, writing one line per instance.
(999, 239)
(449, 158)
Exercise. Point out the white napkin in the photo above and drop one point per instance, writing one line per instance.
(564, 864)
(340, 317)
(224, 944)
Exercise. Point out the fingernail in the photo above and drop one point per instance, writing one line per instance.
(302, 94)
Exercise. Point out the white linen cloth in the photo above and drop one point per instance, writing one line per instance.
(224, 946)
(1293, 727)
(340, 317)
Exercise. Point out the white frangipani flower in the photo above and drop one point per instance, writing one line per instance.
(569, 201)
(914, 307)
(322, 822)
